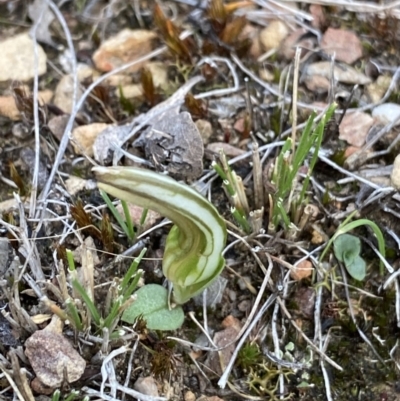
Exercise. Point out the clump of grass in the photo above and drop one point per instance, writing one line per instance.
(80, 308)
(235, 191)
(289, 200)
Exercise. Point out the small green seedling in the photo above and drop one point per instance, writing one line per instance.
(347, 249)
(344, 251)
(71, 397)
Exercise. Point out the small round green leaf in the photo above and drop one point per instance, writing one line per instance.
(152, 304)
(357, 269)
(346, 248)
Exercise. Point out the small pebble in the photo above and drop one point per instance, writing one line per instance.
(387, 112)
(146, 385)
(189, 396)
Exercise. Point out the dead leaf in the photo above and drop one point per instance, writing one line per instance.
(174, 144)
(112, 139)
(40, 318)
(109, 140)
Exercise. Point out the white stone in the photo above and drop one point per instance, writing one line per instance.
(17, 59)
(272, 36)
(387, 112)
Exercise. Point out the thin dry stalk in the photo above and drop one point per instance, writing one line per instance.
(257, 178)
(203, 330)
(130, 363)
(11, 382)
(276, 342)
(108, 371)
(361, 6)
(20, 378)
(295, 96)
(257, 220)
(35, 116)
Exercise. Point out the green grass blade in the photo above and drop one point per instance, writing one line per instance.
(70, 260)
(56, 395)
(143, 217)
(89, 303)
(132, 286)
(72, 395)
(244, 224)
(115, 213)
(109, 320)
(132, 270)
(128, 221)
(74, 314)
